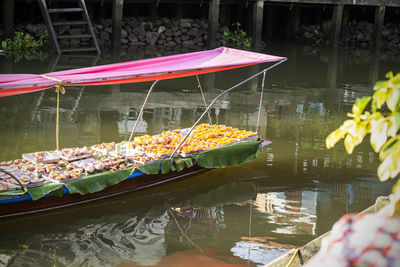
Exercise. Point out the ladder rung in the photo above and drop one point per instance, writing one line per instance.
(62, 23)
(74, 36)
(65, 10)
(80, 49)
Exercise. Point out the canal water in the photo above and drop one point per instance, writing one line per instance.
(239, 216)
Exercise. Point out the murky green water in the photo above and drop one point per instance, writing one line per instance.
(244, 215)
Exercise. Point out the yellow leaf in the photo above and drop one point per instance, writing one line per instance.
(334, 137)
(389, 75)
(360, 104)
(395, 81)
(395, 166)
(358, 131)
(394, 124)
(390, 147)
(378, 133)
(380, 97)
(347, 124)
(396, 207)
(379, 84)
(350, 143)
(392, 98)
(383, 169)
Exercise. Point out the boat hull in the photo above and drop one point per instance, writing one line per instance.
(28, 206)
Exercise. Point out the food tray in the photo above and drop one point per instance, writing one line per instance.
(73, 158)
(81, 163)
(105, 150)
(47, 178)
(48, 157)
(131, 152)
(11, 187)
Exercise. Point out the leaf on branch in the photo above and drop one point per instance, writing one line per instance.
(383, 169)
(392, 98)
(360, 105)
(350, 143)
(394, 123)
(379, 127)
(389, 75)
(334, 137)
(380, 97)
(390, 167)
(390, 147)
(379, 84)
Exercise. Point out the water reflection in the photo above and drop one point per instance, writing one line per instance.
(236, 220)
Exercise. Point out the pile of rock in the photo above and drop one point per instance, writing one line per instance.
(188, 33)
(33, 29)
(137, 32)
(317, 35)
(354, 33)
(357, 33)
(391, 36)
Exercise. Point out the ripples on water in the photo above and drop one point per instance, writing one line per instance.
(239, 216)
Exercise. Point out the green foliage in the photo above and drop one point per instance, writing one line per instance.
(25, 46)
(382, 122)
(238, 37)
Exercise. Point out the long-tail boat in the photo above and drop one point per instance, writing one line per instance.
(176, 163)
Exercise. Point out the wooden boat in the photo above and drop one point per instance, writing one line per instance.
(12, 206)
(137, 71)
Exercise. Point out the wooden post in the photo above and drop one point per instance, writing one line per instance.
(294, 16)
(379, 20)
(375, 63)
(116, 24)
(337, 17)
(213, 18)
(346, 16)
(153, 11)
(270, 21)
(8, 18)
(258, 11)
(179, 11)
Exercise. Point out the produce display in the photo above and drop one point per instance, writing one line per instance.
(73, 163)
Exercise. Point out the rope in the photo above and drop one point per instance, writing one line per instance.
(292, 258)
(261, 98)
(59, 89)
(204, 100)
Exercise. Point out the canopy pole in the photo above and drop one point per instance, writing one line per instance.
(204, 100)
(141, 110)
(219, 96)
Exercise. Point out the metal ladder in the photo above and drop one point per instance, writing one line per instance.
(85, 21)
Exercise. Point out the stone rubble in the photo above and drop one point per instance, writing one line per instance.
(137, 32)
(355, 33)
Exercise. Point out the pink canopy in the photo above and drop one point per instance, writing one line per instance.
(136, 71)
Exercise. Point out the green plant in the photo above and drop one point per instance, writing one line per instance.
(23, 45)
(238, 37)
(382, 122)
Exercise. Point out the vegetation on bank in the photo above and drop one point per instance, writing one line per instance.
(24, 46)
(238, 38)
(382, 122)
